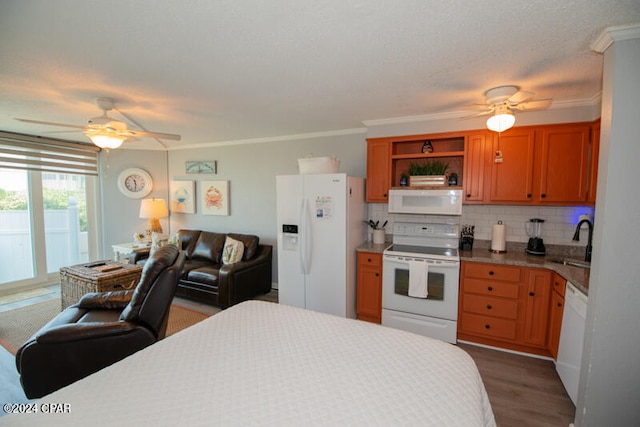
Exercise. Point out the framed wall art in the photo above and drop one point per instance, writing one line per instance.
(210, 166)
(214, 196)
(182, 197)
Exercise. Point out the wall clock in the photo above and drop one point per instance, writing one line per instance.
(135, 183)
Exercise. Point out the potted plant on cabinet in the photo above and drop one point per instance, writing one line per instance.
(427, 173)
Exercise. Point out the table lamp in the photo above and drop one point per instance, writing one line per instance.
(153, 209)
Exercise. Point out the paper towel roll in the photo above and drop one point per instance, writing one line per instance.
(499, 237)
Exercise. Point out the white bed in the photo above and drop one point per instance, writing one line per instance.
(260, 363)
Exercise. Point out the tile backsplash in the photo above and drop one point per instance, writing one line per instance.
(560, 222)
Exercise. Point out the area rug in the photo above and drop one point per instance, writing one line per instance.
(17, 326)
(19, 296)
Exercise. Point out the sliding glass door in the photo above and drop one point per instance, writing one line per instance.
(16, 261)
(47, 220)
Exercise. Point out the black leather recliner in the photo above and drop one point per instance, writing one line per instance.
(101, 329)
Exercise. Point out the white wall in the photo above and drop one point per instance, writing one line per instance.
(609, 391)
(251, 170)
(120, 213)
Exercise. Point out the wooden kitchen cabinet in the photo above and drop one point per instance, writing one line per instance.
(537, 307)
(511, 174)
(488, 302)
(504, 306)
(563, 166)
(594, 152)
(556, 310)
(531, 165)
(369, 287)
(378, 171)
(475, 158)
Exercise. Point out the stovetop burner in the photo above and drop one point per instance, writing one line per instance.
(427, 240)
(411, 250)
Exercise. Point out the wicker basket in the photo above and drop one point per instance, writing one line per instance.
(77, 280)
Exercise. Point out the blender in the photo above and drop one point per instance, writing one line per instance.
(535, 246)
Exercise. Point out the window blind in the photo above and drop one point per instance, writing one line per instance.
(27, 152)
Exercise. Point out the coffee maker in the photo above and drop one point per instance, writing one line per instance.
(535, 246)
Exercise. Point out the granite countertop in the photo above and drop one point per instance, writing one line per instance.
(515, 255)
(376, 248)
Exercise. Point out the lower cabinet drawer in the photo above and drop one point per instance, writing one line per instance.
(490, 288)
(507, 309)
(488, 326)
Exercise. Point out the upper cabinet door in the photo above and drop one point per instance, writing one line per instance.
(512, 166)
(564, 164)
(378, 171)
(593, 163)
(475, 155)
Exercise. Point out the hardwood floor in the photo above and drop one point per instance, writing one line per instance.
(524, 391)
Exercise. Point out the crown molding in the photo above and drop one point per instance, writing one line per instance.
(618, 33)
(273, 139)
(571, 103)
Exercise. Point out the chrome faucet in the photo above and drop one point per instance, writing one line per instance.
(576, 238)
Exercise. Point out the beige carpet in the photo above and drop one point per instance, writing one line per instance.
(16, 326)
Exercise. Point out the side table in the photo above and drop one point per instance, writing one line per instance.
(96, 276)
(121, 251)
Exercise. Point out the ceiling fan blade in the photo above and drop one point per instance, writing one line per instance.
(81, 130)
(534, 105)
(520, 96)
(38, 122)
(479, 114)
(158, 135)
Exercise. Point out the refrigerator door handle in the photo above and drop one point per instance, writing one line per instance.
(305, 238)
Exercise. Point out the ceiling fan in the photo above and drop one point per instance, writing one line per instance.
(501, 101)
(107, 132)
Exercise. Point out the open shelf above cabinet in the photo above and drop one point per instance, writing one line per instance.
(428, 155)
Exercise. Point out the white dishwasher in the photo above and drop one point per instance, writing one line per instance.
(571, 340)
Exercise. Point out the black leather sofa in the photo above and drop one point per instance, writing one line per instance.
(205, 278)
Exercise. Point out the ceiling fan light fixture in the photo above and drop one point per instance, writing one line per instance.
(107, 142)
(502, 120)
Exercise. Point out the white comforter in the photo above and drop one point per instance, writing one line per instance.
(260, 363)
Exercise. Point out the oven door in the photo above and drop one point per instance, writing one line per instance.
(442, 285)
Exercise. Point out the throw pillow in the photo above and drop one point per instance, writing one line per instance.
(175, 240)
(232, 252)
(158, 240)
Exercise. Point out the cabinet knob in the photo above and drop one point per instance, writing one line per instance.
(529, 195)
(489, 288)
(559, 304)
(377, 274)
(532, 294)
(491, 273)
(384, 195)
(468, 195)
(489, 307)
(487, 326)
(368, 259)
(543, 195)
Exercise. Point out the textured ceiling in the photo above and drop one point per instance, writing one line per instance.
(229, 70)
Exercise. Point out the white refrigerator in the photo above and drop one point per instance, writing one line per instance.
(320, 224)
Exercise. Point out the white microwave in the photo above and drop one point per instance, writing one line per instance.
(433, 202)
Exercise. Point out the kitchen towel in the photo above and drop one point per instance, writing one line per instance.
(418, 279)
(499, 237)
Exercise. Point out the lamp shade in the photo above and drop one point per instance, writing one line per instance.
(153, 208)
(106, 141)
(502, 120)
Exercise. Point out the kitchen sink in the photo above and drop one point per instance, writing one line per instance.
(570, 262)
